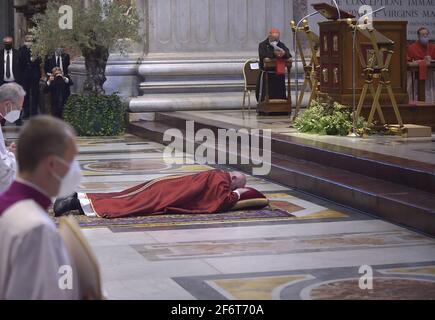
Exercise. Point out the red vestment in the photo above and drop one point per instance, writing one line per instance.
(205, 192)
(281, 64)
(417, 51)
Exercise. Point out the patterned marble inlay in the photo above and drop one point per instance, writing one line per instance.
(134, 165)
(383, 289)
(425, 271)
(286, 206)
(319, 283)
(261, 288)
(299, 247)
(266, 246)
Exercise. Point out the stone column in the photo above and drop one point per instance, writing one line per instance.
(208, 26)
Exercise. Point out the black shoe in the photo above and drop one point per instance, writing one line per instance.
(19, 123)
(62, 206)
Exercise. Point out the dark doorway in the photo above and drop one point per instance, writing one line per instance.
(6, 18)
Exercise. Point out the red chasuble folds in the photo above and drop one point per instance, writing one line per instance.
(418, 52)
(205, 192)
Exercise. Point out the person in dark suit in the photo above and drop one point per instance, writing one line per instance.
(10, 66)
(58, 85)
(61, 60)
(58, 59)
(32, 71)
(272, 48)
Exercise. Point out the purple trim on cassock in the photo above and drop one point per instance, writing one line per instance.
(20, 192)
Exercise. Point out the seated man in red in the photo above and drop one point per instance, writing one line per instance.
(206, 192)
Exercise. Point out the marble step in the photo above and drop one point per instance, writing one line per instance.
(397, 203)
(406, 172)
(196, 85)
(182, 86)
(192, 102)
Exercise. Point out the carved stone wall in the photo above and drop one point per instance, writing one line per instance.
(209, 26)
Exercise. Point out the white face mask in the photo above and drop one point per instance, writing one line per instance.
(71, 181)
(12, 115)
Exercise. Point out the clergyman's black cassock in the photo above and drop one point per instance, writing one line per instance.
(277, 88)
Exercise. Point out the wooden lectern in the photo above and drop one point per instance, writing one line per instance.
(336, 61)
(336, 48)
(270, 106)
(380, 66)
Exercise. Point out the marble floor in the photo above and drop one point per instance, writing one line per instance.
(316, 255)
(418, 149)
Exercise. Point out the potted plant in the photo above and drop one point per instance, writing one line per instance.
(98, 27)
(329, 118)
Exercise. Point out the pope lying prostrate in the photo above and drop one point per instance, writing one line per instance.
(207, 192)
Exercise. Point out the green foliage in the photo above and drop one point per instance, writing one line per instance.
(104, 23)
(329, 119)
(95, 115)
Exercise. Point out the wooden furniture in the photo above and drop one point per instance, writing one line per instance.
(271, 106)
(311, 68)
(336, 61)
(376, 67)
(330, 12)
(251, 72)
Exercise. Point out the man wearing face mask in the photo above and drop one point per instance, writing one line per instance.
(31, 250)
(11, 101)
(10, 70)
(32, 71)
(420, 54)
(273, 48)
(422, 49)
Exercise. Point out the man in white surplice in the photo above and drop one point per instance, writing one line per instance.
(33, 256)
(11, 101)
